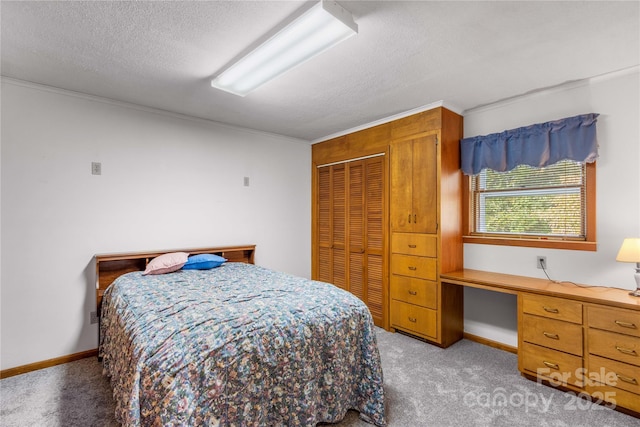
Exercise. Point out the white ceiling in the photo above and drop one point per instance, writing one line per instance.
(406, 55)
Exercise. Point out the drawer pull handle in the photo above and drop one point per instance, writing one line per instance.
(552, 336)
(412, 268)
(412, 319)
(551, 310)
(412, 246)
(409, 218)
(625, 324)
(627, 379)
(551, 365)
(413, 293)
(626, 351)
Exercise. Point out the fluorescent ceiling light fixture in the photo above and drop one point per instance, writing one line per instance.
(321, 27)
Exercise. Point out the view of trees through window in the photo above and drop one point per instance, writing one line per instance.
(531, 201)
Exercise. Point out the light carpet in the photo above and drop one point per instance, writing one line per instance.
(468, 384)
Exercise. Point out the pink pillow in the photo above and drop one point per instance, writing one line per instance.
(166, 263)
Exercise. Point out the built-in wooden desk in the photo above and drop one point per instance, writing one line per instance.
(585, 339)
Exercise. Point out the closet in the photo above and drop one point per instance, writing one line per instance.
(350, 229)
(386, 221)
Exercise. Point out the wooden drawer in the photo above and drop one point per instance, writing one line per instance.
(611, 345)
(414, 266)
(413, 318)
(616, 374)
(552, 333)
(414, 244)
(556, 366)
(553, 308)
(615, 396)
(614, 320)
(414, 291)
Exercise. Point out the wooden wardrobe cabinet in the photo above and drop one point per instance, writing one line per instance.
(425, 225)
(386, 221)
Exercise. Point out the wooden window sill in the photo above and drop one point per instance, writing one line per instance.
(533, 243)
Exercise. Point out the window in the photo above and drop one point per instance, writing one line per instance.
(551, 207)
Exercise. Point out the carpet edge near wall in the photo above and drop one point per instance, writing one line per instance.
(23, 369)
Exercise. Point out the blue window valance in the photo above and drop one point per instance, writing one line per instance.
(539, 145)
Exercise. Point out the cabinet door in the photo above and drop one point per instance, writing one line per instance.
(401, 170)
(425, 180)
(414, 174)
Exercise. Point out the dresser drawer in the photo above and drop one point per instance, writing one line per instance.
(412, 318)
(552, 333)
(614, 320)
(553, 308)
(615, 396)
(611, 345)
(414, 244)
(556, 366)
(414, 266)
(414, 291)
(616, 374)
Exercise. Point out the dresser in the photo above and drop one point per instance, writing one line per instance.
(550, 338)
(584, 339)
(612, 358)
(413, 283)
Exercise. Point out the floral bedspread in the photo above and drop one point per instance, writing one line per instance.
(239, 345)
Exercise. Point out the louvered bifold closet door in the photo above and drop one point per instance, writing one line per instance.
(350, 221)
(339, 225)
(332, 223)
(374, 238)
(356, 229)
(324, 268)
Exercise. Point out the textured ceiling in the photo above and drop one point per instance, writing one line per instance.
(406, 55)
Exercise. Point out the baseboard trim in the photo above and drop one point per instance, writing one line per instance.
(490, 343)
(6, 373)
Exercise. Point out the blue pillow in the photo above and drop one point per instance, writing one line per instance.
(203, 262)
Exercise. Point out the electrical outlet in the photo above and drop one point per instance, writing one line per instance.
(541, 262)
(94, 317)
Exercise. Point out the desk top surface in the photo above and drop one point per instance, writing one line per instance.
(513, 284)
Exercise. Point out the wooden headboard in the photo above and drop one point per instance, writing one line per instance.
(111, 266)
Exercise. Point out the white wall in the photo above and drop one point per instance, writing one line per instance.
(616, 98)
(167, 182)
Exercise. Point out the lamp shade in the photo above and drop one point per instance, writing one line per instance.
(629, 251)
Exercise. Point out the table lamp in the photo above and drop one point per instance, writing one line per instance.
(630, 252)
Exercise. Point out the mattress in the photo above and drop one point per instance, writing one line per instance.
(238, 345)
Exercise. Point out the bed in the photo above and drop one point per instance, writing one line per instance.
(237, 345)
